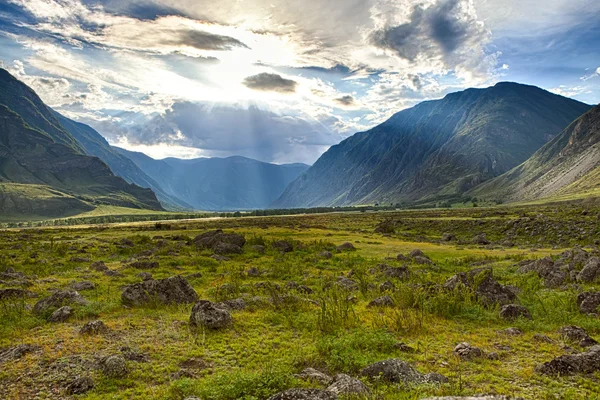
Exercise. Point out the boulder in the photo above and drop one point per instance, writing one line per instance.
(61, 315)
(448, 237)
(210, 315)
(417, 253)
(387, 286)
(481, 239)
(481, 281)
(234, 304)
(395, 272)
(582, 363)
(224, 248)
(383, 301)
(58, 299)
(15, 293)
(304, 394)
(16, 352)
(325, 254)
(93, 328)
(347, 386)
(167, 291)
(145, 276)
(315, 376)
(80, 385)
(210, 240)
(467, 352)
(422, 260)
(478, 397)
(253, 271)
(347, 246)
(588, 302)
(397, 371)
(83, 285)
(577, 334)
(590, 272)
(510, 312)
(283, 246)
(144, 265)
(114, 366)
(260, 249)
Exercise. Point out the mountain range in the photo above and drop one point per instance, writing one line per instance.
(436, 150)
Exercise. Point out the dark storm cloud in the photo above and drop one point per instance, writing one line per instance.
(437, 29)
(345, 100)
(270, 83)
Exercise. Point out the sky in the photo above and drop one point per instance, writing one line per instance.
(283, 80)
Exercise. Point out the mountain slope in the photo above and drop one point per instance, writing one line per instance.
(36, 149)
(437, 149)
(233, 183)
(570, 163)
(94, 144)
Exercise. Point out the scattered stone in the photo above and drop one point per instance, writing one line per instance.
(58, 299)
(167, 291)
(395, 272)
(315, 376)
(79, 259)
(555, 278)
(403, 347)
(481, 239)
(383, 301)
(478, 397)
(511, 332)
(114, 366)
(260, 249)
(15, 293)
(235, 304)
(481, 280)
(99, 266)
(145, 276)
(304, 394)
(144, 265)
(346, 246)
(577, 334)
(16, 352)
(538, 337)
(591, 271)
(346, 385)
(326, 254)
(83, 285)
(346, 283)
(402, 257)
(253, 271)
(93, 328)
(80, 385)
(586, 363)
(397, 371)
(422, 260)
(511, 312)
(131, 355)
(220, 258)
(61, 315)
(417, 253)
(387, 286)
(195, 363)
(226, 243)
(448, 237)
(588, 302)
(210, 315)
(467, 352)
(283, 246)
(227, 248)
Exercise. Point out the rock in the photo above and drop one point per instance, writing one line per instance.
(83, 285)
(448, 237)
(591, 271)
(346, 385)
(397, 371)
(346, 283)
(585, 363)
(167, 291)
(402, 257)
(479, 397)
(422, 260)
(326, 254)
(417, 253)
(114, 366)
(346, 246)
(260, 249)
(80, 385)
(79, 259)
(58, 299)
(144, 265)
(131, 355)
(481, 280)
(220, 258)
(538, 337)
(145, 276)
(555, 279)
(16, 352)
(15, 293)
(383, 301)
(387, 286)
(61, 315)
(395, 272)
(112, 273)
(211, 239)
(235, 304)
(577, 334)
(253, 271)
(511, 312)
(283, 246)
(315, 376)
(93, 328)
(467, 352)
(588, 302)
(210, 315)
(195, 363)
(481, 239)
(227, 248)
(304, 394)
(511, 332)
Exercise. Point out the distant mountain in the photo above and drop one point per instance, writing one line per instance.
(234, 183)
(94, 144)
(570, 163)
(436, 150)
(36, 149)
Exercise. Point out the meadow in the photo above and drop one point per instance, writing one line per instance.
(309, 296)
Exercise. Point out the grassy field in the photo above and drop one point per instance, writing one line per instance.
(284, 329)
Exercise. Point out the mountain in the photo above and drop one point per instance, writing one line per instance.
(35, 149)
(437, 149)
(95, 145)
(568, 164)
(234, 183)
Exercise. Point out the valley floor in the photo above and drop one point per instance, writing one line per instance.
(307, 283)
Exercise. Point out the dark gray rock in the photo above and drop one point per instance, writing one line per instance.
(94, 328)
(211, 239)
(15, 293)
(481, 281)
(481, 239)
(511, 312)
(582, 363)
(114, 366)
(397, 371)
(61, 315)
(145, 276)
(16, 352)
(80, 385)
(283, 246)
(590, 272)
(383, 301)
(588, 302)
(347, 386)
(422, 260)
(577, 334)
(347, 246)
(387, 286)
(304, 394)
(167, 291)
(417, 253)
(253, 271)
(467, 352)
(210, 315)
(234, 304)
(227, 248)
(58, 299)
(144, 265)
(83, 285)
(448, 237)
(325, 254)
(315, 376)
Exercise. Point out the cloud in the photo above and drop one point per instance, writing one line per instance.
(346, 100)
(270, 83)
